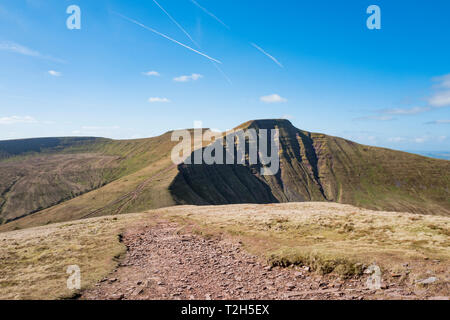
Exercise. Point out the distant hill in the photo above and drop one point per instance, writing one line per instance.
(36, 174)
(66, 179)
(12, 148)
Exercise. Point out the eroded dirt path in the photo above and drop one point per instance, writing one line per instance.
(162, 263)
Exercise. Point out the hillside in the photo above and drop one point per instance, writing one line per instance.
(227, 251)
(135, 175)
(36, 174)
(318, 167)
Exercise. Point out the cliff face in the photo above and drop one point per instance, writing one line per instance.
(317, 167)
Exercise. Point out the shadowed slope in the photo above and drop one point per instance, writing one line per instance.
(317, 167)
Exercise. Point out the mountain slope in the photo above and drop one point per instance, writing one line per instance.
(317, 167)
(135, 175)
(36, 174)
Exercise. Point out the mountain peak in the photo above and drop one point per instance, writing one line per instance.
(266, 124)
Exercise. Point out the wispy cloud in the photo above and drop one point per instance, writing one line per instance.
(387, 114)
(54, 73)
(158, 100)
(166, 37)
(440, 99)
(268, 55)
(396, 139)
(420, 139)
(405, 111)
(376, 118)
(438, 122)
(444, 81)
(23, 50)
(210, 14)
(272, 98)
(151, 73)
(192, 77)
(17, 120)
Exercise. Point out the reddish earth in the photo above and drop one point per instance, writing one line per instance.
(161, 263)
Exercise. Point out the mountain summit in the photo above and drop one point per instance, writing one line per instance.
(318, 167)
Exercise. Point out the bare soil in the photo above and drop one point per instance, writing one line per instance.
(163, 262)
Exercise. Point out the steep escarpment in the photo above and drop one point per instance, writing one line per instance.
(318, 167)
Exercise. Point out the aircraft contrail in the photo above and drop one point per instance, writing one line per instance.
(192, 40)
(268, 55)
(210, 14)
(177, 24)
(167, 37)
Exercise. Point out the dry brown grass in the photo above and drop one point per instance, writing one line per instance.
(330, 237)
(325, 236)
(33, 262)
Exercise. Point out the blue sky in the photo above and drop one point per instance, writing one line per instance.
(313, 62)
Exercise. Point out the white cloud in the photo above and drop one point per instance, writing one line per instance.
(420, 139)
(438, 122)
(151, 73)
(287, 117)
(378, 118)
(444, 81)
(54, 73)
(157, 99)
(20, 49)
(193, 77)
(273, 98)
(17, 119)
(396, 139)
(17, 48)
(440, 99)
(399, 111)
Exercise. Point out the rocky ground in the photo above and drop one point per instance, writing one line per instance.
(162, 263)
